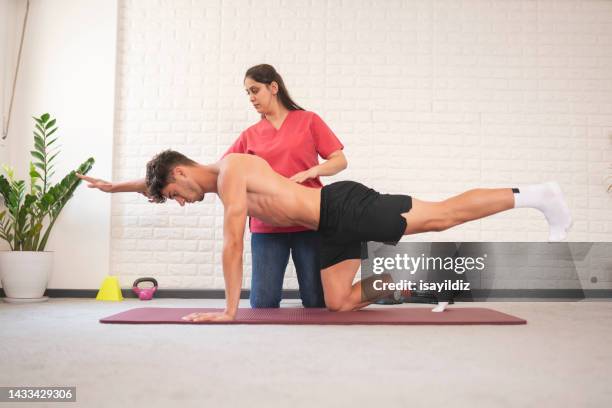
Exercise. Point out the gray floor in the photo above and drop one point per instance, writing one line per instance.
(562, 357)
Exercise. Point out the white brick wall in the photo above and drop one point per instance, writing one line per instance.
(430, 98)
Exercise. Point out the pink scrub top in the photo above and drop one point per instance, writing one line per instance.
(293, 148)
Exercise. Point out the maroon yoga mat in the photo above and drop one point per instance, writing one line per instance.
(371, 316)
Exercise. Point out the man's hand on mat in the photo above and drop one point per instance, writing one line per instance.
(102, 185)
(209, 317)
(302, 176)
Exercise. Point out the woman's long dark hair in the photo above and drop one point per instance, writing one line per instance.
(265, 74)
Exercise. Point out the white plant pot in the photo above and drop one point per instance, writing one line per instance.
(25, 275)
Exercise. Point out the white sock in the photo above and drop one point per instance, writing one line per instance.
(548, 198)
(440, 308)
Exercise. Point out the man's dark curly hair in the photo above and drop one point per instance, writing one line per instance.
(159, 170)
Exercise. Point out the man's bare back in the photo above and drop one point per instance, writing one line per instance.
(270, 197)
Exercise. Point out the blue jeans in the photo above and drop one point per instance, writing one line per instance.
(270, 252)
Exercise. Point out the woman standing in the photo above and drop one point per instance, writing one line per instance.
(290, 139)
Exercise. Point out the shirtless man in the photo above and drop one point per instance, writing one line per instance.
(345, 213)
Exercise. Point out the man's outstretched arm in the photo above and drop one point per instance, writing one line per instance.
(136, 186)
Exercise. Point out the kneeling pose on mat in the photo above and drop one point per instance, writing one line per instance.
(345, 213)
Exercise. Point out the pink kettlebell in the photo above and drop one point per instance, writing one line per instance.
(144, 293)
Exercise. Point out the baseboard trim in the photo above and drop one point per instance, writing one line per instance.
(475, 294)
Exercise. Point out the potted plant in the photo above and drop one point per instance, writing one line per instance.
(29, 216)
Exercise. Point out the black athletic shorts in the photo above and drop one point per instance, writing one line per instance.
(352, 214)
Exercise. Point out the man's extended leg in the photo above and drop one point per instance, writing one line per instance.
(426, 216)
(475, 204)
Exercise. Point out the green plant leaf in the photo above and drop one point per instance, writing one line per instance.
(34, 176)
(9, 172)
(39, 147)
(51, 132)
(50, 124)
(5, 188)
(53, 157)
(45, 117)
(38, 155)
